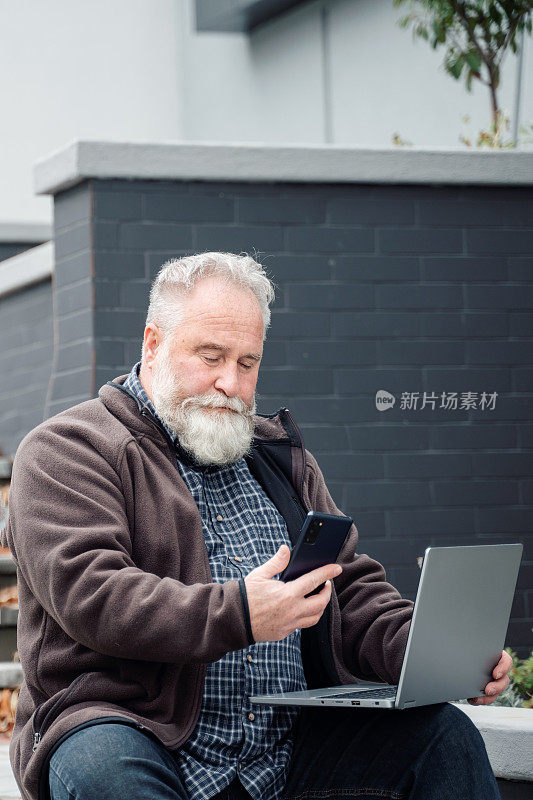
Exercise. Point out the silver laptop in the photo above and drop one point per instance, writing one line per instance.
(456, 635)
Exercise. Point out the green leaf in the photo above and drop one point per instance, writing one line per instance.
(473, 59)
(455, 67)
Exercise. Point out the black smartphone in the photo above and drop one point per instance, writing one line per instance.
(320, 542)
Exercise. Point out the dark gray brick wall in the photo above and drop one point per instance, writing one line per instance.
(25, 361)
(410, 289)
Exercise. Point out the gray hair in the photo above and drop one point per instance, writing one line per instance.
(177, 278)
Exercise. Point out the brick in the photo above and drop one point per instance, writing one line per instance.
(385, 494)
(416, 352)
(447, 324)
(309, 381)
(298, 268)
(520, 269)
(333, 296)
(522, 379)
(495, 352)
(135, 295)
(325, 240)
(375, 324)
(105, 235)
(285, 323)
(152, 235)
(331, 353)
(474, 493)
(387, 437)
(369, 381)
(73, 239)
(351, 465)
(420, 240)
(324, 438)
(71, 207)
(75, 297)
(502, 296)
(500, 241)
(405, 579)
(118, 265)
(463, 268)
(507, 408)
(274, 354)
(525, 577)
(334, 410)
(155, 260)
(117, 205)
(410, 465)
(485, 325)
(27, 334)
(63, 404)
(526, 489)
(424, 296)
(118, 323)
(473, 437)
(72, 384)
(109, 352)
(106, 294)
(14, 380)
(369, 524)
(442, 379)
(504, 520)
(188, 208)
(364, 211)
(520, 630)
(389, 551)
(74, 356)
(286, 211)
(105, 374)
(132, 351)
(375, 268)
(76, 326)
(72, 269)
(429, 523)
(478, 212)
(521, 324)
(505, 464)
(238, 239)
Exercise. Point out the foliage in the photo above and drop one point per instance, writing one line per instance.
(521, 675)
(475, 33)
(495, 137)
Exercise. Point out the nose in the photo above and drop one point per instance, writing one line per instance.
(227, 380)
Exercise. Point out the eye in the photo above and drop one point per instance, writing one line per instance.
(210, 360)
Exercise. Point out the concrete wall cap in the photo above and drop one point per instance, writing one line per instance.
(26, 268)
(206, 161)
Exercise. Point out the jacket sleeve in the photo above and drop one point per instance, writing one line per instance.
(68, 532)
(375, 618)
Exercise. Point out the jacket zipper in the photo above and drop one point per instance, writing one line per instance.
(288, 413)
(37, 734)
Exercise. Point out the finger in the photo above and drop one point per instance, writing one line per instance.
(306, 583)
(503, 666)
(497, 687)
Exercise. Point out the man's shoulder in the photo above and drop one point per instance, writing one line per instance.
(88, 423)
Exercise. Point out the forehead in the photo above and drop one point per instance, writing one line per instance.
(217, 308)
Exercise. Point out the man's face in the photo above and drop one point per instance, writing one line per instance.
(203, 377)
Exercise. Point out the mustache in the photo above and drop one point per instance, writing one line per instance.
(214, 401)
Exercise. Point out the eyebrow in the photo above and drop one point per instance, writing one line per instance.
(224, 349)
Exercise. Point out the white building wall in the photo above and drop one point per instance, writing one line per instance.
(137, 71)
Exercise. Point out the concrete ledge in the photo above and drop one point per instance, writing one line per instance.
(259, 162)
(7, 566)
(29, 267)
(10, 674)
(508, 737)
(25, 232)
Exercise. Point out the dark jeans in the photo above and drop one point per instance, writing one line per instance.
(427, 753)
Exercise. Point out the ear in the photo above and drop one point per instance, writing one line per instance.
(152, 342)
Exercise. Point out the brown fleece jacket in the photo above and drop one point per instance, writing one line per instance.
(118, 612)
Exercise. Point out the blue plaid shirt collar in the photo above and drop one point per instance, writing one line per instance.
(135, 388)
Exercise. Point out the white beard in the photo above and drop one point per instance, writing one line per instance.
(213, 437)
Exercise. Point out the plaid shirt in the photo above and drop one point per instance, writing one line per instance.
(242, 529)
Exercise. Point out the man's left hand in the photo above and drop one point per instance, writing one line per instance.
(499, 685)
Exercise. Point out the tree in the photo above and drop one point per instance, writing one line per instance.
(476, 34)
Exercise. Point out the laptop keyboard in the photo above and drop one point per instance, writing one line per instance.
(363, 695)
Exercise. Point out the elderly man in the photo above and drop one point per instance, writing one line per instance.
(149, 527)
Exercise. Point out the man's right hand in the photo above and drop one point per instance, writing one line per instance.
(278, 608)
